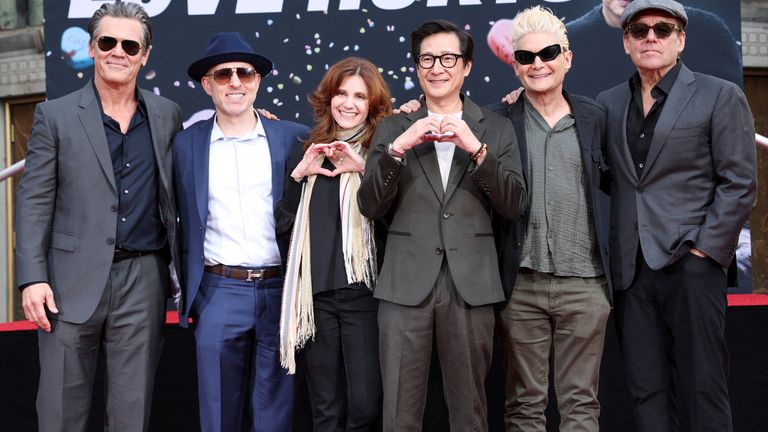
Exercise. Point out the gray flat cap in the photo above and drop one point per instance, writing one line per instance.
(670, 6)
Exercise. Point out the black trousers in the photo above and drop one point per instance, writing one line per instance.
(342, 362)
(671, 326)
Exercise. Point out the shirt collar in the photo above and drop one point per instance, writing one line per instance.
(663, 87)
(218, 135)
(141, 106)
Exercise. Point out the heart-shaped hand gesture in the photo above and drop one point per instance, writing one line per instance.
(345, 158)
(312, 161)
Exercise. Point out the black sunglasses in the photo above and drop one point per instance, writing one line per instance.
(107, 43)
(546, 54)
(223, 76)
(661, 29)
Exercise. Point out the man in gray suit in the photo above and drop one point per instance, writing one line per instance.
(682, 152)
(436, 176)
(95, 228)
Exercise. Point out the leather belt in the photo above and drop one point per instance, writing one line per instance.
(245, 273)
(121, 255)
(525, 270)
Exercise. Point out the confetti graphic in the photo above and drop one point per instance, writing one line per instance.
(301, 44)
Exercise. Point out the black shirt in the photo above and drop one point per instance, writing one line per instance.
(325, 239)
(639, 127)
(139, 227)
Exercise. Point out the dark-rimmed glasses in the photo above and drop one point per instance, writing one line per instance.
(546, 54)
(223, 76)
(427, 61)
(661, 29)
(108, 43)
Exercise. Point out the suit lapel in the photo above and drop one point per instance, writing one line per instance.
(678, 98)
(90, 118)
(625, 155)
(584, 122)
(201, 144)
(156, 129)
(427, 157)
(517, 115)
(472, 116)
(275, 139)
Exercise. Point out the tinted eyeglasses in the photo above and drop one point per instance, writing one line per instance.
(545, 54)
(108, 43)
(661, 29)
(223, 76)
(427, 61)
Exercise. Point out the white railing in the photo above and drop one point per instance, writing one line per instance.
(761, 141)
(12, 170)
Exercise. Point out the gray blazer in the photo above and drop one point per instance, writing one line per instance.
(699, 181)
(66, 218)
(426, 223)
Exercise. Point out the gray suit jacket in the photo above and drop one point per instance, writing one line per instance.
(426, 223)
(699, 181)
(66, 218)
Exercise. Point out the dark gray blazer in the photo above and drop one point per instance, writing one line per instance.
(425, 223)
(66, 218)
(590, 128)
(699, 181)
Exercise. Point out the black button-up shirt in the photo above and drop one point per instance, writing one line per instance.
(640, 127)
(139, 227)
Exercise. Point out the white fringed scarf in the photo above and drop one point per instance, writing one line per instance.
(297, 320)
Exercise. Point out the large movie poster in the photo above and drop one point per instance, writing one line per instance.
(303, 37)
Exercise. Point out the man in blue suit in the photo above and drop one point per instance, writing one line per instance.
(229, 173)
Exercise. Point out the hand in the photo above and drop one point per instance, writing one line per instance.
(415, 134)
(34, 298)
(412, 105)
(346, 159)
(698, 253)
(266, 114)
(512, 96)
(462, 135)
(311, 163)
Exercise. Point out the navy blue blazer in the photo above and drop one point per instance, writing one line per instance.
(591, 129)
(190, 173)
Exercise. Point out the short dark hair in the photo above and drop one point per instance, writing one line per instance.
(429, 28)
(121, 9)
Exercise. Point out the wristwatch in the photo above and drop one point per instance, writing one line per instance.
(394, 153)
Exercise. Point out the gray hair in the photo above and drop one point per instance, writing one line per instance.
(122, 9)
(538, 19)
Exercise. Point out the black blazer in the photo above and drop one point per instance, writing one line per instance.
(590, 126)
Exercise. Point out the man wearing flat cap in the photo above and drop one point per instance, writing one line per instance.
(682, 152)
(229, 172)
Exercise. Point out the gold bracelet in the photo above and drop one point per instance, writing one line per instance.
(479, 153)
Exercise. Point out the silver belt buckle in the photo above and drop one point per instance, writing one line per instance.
(254, 274)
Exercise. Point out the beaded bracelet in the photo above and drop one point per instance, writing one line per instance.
(479, 153)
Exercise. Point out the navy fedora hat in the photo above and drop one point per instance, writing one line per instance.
(228, 47)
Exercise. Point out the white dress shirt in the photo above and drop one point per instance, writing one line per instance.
(444, 151)
(241, 223)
